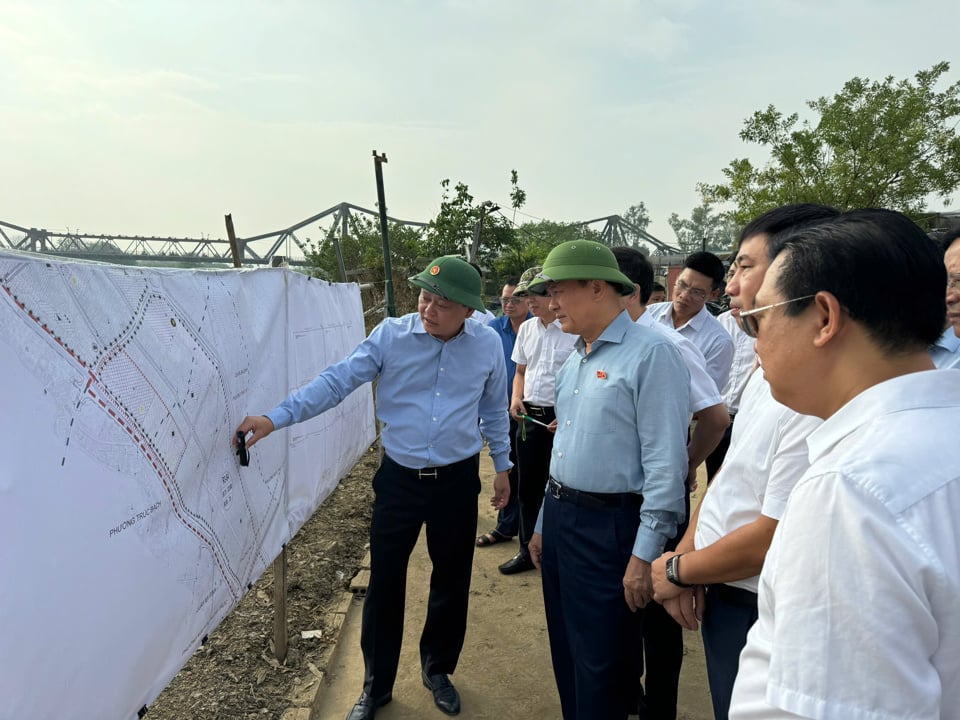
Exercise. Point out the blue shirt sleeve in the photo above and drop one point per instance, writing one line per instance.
(662, 419)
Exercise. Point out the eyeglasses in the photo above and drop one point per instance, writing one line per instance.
(681, 287)
(511, 300)
(748, 321)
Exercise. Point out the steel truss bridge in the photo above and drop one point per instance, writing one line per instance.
(255, 250)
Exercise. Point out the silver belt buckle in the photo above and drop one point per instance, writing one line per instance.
(428, 472)
(554, 488)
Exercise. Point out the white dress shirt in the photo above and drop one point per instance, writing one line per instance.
(706, 333)
(858, 611)
(767, 456)
(744, 359)
(542, 349)
(703, 390)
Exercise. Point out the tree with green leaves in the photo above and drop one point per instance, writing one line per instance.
(452, 230)
(532, 242)
(888, 144)
(362, 248)
(637, 217)
(449, 233)
(703, 230)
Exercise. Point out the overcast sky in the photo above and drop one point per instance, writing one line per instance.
(156, 117)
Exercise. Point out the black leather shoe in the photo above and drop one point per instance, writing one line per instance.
(519, 563)
(445, 695)
(366, 707)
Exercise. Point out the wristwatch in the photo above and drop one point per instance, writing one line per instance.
(673, 572)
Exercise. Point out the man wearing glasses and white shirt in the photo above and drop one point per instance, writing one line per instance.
(700, 280)
(858, 613)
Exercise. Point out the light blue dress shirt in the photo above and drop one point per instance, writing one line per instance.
(622, 414)
(945, 352)
(429, 395)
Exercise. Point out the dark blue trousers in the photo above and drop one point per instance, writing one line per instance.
(729, 614)
(406, 500)
(593, 634)
(663, 651)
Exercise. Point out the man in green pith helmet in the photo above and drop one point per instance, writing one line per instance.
(438, 372)
(616, 489)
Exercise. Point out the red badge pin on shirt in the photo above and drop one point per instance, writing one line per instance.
(601, 375)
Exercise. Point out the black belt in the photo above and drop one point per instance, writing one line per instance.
(433, 471)
(592, 499)
(538, 410)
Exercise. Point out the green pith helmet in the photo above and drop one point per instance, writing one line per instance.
(453, 279)
(580, 260)
(522, 289)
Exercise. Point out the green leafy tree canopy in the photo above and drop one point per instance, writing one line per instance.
(703, 230)
(888, 144)
(532, 242)
(639, 218)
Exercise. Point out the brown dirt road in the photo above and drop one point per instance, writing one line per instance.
(504, 669)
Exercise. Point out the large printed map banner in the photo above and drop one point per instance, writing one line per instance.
(128, 529)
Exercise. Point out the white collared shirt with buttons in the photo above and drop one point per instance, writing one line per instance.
(744, 361)
(766, 458)
(858, 612)
(706, 333)
(543, 350)
(703, 390)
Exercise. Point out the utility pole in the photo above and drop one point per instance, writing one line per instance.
(378, 161)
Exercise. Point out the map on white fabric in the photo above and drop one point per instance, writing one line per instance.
(128, 529)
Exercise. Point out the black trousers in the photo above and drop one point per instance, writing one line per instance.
(446, 502)
(534, 444)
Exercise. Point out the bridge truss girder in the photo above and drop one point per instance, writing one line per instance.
(254, 250)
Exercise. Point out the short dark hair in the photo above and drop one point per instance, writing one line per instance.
(657, 287)
(636, 267)
(785, 218)
(949, 237)
(512, 280)
(706, 263)
(858, 256)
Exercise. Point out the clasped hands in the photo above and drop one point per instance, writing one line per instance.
(685, 605)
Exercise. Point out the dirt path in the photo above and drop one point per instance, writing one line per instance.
(504, 670)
